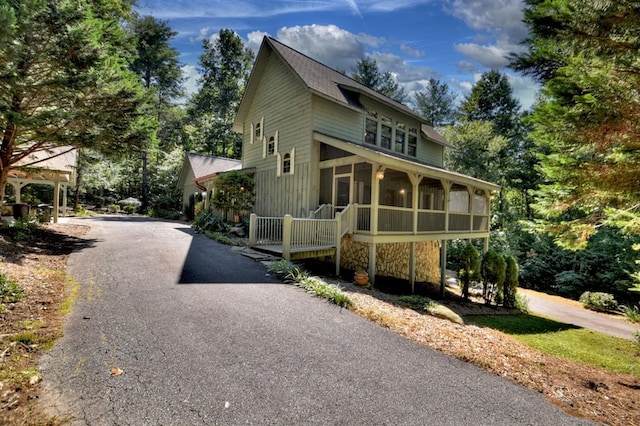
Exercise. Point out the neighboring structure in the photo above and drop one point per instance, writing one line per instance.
(199, 172)
(342, 170)
(55, 166)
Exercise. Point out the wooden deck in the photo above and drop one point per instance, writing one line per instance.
(307, 252)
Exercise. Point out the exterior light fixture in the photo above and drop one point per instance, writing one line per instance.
(380, 173)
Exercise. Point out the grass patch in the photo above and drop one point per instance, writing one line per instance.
(567, 341)
(424, 304)
(67, 304)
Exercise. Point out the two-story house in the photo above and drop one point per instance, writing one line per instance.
(342, 170)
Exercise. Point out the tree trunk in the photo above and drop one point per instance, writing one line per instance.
(6, 150)
(145, 183)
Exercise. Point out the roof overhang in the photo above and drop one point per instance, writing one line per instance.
(391, 161)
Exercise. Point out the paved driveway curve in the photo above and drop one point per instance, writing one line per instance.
(204, 337)
(572, 312)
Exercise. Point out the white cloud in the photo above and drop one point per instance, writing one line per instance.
(501, 19)
(412, 52)
(328, 44)
(524, 89)
(191, 76)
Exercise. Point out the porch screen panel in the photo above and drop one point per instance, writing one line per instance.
(459, 215)
(480, 211)
(326, 186)
(362, 183)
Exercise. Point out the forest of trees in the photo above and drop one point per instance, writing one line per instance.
(94, 75)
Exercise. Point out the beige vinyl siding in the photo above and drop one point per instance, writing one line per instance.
(288, 194)
(337, 121)
(285, 105)
(430, 152)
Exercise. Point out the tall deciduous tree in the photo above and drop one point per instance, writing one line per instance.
(437, 103)
(586, 124)
(225, 65)
(368, 73)
(157, 65)
(64, 79)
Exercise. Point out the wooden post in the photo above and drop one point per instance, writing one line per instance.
(338, 239)
(253, 220)
(443, 266)
(412, 265)
(56, 199)
(286, 236)
(64, 200)
(372, 263)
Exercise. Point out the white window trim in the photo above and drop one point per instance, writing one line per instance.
(278, 164)
(251, 133)
(292, 160)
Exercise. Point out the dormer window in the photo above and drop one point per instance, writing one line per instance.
(381, 131)
(258, 131)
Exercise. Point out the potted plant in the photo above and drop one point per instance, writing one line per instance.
(361, 277)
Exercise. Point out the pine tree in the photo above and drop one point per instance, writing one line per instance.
(437, 103)
(64, 80)
(586, 125)
(368, 73)
(224, 66)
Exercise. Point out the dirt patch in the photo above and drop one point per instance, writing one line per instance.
(36, 261)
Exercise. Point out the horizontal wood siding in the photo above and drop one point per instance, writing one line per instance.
(287, 194)
(282, 101)
(430, 152)
(337, 121)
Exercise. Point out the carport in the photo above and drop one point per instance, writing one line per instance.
(55, 166)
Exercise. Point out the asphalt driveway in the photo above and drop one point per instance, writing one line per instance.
(204, 336)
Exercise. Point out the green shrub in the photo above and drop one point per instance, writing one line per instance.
(113, 208)
(206, 221)
(598, 301)
(631, 313)
(493, 270)
(470, 271)
(129, 208)
(510, 287)
(287, 271)
(522, 303)
(224, 239)
(10, 292)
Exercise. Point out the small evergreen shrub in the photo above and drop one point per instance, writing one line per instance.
(493, 270)
(470, 270)
(522, 303)
(10, 292)
(598, 301)
(114, 208)
(129, 208)
(206, 221)
(510, 287)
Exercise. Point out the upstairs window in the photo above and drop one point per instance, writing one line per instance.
(400, 138)
(286, 163)
(412, 148)
(385, 133)
(371, 131)
(271, 146)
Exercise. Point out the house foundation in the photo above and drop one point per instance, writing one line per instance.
(394, 259)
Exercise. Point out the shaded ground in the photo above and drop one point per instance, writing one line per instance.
(37, 262)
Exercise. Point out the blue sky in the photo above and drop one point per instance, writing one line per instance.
(451, 40)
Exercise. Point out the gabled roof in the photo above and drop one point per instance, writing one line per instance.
(45, 164)
(207, 165)
(325, 82)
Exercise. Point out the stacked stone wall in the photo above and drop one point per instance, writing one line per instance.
(392, 259)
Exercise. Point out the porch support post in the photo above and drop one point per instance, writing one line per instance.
(338, 238)
(447, 188)
(372, 263)
(471, 190)
(56, 199)
(412, 265)
(443, 266)
(286, 236)
(486, 244)
(253, 220)
(64, 200)
(375, 200)
(415, 181)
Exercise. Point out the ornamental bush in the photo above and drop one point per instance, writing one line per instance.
(510, 286)
(598, 301)
(493, 270)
